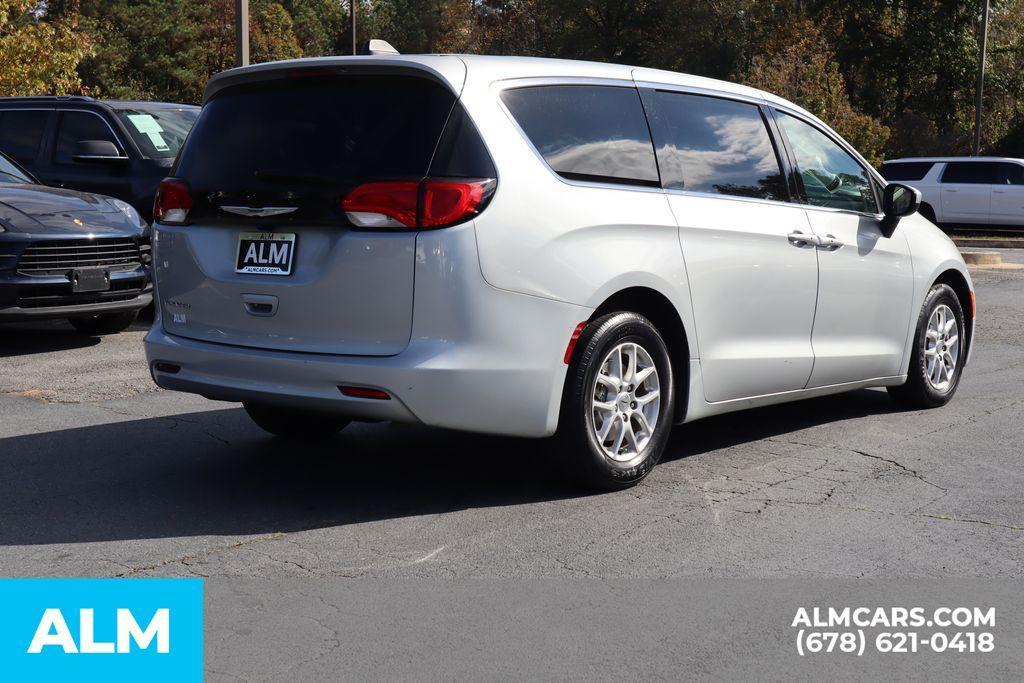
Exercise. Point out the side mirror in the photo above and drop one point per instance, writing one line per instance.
(898, 201)
(97, 151)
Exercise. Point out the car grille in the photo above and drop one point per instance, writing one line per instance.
(59, 257)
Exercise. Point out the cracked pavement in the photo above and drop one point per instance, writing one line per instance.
(103, 475)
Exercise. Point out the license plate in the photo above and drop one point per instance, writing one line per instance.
(90, 280)
(266, 253)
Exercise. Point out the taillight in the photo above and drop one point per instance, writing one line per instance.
(411, 204)
(172, 203)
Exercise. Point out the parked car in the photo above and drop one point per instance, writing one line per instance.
(112, 147)
(965, 191)
(537, 247)
(69, 254)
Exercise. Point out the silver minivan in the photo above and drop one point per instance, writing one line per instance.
(537, 248)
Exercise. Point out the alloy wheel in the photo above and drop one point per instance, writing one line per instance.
(626, 402)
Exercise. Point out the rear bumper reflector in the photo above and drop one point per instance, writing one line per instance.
(169, 368)
(363, 392)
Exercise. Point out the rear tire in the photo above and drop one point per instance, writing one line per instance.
(614, 428)
(938, 353)
(295, 424)
(105, 323)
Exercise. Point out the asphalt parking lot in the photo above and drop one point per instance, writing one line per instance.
(103, 475)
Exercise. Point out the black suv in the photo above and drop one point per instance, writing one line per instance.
(117, 148)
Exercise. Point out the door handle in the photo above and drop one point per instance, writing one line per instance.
(802, 240)
(830, 242)
(998, 191)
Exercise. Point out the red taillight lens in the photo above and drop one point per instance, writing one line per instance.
(172, 203)
(409, 204)
(383, 205)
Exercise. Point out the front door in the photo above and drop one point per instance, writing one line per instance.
(865, 280)
(753, 281)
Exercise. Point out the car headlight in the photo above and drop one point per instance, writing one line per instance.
(129, 211)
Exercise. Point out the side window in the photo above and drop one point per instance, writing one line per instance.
(714, 145)
(831, 176)
(1010, 174)
(21, 133)
(76, 126)
(587, 132)
(970, 173)
(906, 170)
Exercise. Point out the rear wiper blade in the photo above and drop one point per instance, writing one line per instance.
(288, 177)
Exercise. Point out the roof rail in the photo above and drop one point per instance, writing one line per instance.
(62, 98)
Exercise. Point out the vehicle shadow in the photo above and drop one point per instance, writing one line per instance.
(214, 473)
(24, 339)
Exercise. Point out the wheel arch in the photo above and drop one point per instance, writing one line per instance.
(958, 283)
(663, 314)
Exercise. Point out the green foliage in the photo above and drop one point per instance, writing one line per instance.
(36, 56)
(895, 77)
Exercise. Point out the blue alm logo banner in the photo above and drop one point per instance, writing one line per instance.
(101, 629)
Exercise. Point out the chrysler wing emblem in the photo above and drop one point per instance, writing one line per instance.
(259, 211)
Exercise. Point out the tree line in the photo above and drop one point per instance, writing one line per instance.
(895, 77)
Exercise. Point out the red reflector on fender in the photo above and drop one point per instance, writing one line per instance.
(363, 392)
(974, 307)
(572, 341)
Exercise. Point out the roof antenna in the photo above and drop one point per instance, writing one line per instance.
(377, 47)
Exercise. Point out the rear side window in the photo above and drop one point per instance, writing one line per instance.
(587, 132)
(970, 172)
(910, 170)
(21, 133)
(714, 145)
(76, 126)
(1010, 174)
(308, 131)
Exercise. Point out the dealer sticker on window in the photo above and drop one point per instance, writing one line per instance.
(266, 253)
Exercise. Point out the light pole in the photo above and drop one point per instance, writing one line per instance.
(981, 78)
(352, 23)
(241, 32)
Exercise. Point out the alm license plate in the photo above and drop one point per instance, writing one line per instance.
(266, 253)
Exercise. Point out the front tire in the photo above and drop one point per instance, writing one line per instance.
(295, 424)
(618, 403)
(105, 323)
(938, 352)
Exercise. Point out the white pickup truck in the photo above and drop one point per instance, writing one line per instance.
(965, 191)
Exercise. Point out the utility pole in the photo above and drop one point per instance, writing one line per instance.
(981, 78)
(241, 32)
(352, 23)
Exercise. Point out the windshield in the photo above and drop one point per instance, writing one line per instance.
(159, 131)
(9, 173)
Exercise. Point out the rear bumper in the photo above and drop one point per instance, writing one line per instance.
(480, 359)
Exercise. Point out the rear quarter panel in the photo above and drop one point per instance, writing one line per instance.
(573, 242)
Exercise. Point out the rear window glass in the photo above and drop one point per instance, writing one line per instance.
(910, 170)
(315, 132)
(714, 145)
(21, 132)
(158, 131)
(970, 172)
(586, 132)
